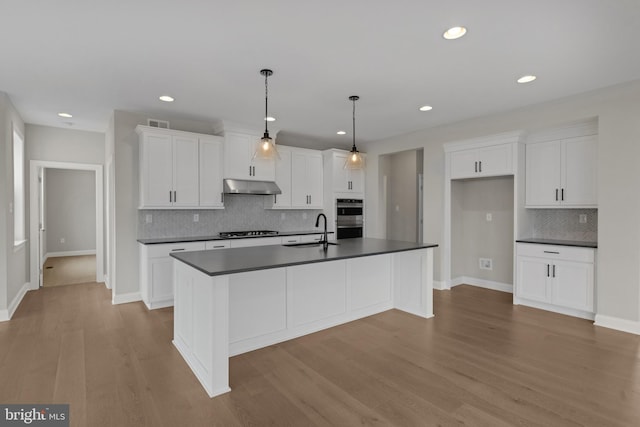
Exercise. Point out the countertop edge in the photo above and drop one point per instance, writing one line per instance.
(164, 240)
(571, 243)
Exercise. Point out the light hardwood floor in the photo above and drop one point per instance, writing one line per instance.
(69, 270)
(481, 361)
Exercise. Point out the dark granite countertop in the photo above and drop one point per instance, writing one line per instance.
(239, 260)
(559, 242)
(159, 240)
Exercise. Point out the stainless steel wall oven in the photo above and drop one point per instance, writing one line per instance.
(349, 218)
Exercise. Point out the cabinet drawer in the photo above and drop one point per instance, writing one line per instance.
(290, 239)
(217, 244)
(567, 253)
(312, 238)
(163, 250)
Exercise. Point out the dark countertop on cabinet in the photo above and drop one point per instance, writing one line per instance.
(575, 243)
(240, 260)
(159, 240)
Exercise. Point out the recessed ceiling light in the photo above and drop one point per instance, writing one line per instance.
(270, 119)
(426, 108)
(65, 115)
(341, 132)
(527, 79)
(454, 33)
(166, 98)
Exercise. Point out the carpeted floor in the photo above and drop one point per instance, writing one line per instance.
(69, 270)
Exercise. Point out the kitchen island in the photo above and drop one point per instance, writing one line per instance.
(231, 301)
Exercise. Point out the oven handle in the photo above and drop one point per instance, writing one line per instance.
(350, 226)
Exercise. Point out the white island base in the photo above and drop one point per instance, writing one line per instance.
(219, 316)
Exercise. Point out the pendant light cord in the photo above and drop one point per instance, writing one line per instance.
(266, 100)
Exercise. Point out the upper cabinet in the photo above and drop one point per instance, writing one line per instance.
(562, 173)
(211, 158)
(494, 160)
(177, 169)
(299, 175)
(339, 179)
(239, 163)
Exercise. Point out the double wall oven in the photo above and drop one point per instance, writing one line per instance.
(349, 218)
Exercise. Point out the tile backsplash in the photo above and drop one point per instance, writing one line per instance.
(564, 224)
(241, 212)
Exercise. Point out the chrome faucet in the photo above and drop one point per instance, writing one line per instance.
(325, 240)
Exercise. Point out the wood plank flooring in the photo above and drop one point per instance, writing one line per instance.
(481, 361)
(69, 270)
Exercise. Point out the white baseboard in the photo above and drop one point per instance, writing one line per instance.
(631, 326)
(106, 282)
(70, 253)
(126, 298)
(439, 285)
(7, 314)
(482, 283)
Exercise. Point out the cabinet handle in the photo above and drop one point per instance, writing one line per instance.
(476, 166)
(170, 197)
(554, 270)
(562, 194)
(547, 270)
(552, 252)
(176, 250)
(556, 194)
(249, 170)
(254, 170)
(221, 197)
(175, 196)
(309, 198)
(275, 199)
(219, 246)
(480, 166)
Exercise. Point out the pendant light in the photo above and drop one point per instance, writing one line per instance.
(266, 147)
(355, 160)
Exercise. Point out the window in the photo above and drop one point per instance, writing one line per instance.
(19, 235)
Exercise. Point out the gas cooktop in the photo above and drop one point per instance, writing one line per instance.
(251, 233)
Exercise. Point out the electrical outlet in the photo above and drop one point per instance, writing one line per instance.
(489, 217)
(62, 240)
(583, 218)
(283, 216)
(148, 218)
(196, 217)
(486, 264)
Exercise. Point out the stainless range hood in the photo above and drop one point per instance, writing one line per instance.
(244, 186)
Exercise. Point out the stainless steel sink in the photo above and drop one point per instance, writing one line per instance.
(307, 244)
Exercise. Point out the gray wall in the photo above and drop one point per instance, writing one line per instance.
(474, 237)
(402, 195)
(13, 264)
(70, 210)
(64, 145)
(617, 109)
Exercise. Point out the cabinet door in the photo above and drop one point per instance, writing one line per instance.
(340, 174)
(157, 167)
(543, 161)
(236, 157)
(464, 164)
(161, 277)
(185, 171)
(356, 178)
(307, 238)
(495, 160)
(533, 280)
(579, 178)
(314, 179)
(299, 188)
(283, 178)
(573, 285)
(211, 168)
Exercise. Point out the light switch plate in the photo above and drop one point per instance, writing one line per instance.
(583, 218)
(489, 217)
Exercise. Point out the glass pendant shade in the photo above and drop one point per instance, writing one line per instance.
(266, 146)
(355, 160)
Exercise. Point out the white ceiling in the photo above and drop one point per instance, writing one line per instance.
(89, 58)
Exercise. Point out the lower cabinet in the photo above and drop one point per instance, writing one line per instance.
(156, 271)
(556, 278)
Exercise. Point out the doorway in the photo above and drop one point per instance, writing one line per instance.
(402, 196)
(38, 202)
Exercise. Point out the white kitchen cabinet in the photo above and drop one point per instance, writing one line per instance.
(156, 271)
(306, 179)
(556, 278)
(217, 244)
(308, 238)
(339, 179)
(493, 160)
(211, 172)
(256, 241)
(239, 163)
(283, 179)
(286, 240)
(562, 173)
(168, 169)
